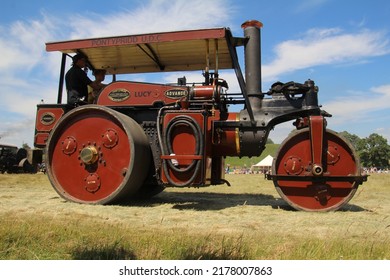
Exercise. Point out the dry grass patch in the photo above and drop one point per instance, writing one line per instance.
(245, 221)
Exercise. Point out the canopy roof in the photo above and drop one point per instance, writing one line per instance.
(266, 162)
(156, 52)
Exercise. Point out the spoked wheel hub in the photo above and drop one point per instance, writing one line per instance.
(315, 169)
(97, 155)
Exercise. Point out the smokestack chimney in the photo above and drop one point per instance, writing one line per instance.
(253, 62)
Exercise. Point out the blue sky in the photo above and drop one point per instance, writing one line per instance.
(344, 46)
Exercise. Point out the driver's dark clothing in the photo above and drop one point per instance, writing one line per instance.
(77, 83)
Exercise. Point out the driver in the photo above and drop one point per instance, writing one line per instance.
(77, 81)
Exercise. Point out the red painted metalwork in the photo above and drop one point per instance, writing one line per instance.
(211, 92)
(317, 142)
(40, 139)
(85, 166)
(296, 180)
(123, 93)
(47, 117)
(110, 138)
(69, 145)
(226, 142)
(137, 39)
(184, 158)
(252, 23)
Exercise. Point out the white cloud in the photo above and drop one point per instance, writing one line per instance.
(281, 132)
(28, 73)
(17, 133)
(22, 45)
(333, 46)
(385, 132)
(350, 111)
(154, 16)
(359, 106)
(323, 47)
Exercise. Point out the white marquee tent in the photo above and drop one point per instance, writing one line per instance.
(264, 165)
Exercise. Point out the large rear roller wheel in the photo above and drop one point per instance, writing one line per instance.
(96, 155)
(306, 186)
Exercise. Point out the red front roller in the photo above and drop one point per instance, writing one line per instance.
(315, 169)
(97, 155)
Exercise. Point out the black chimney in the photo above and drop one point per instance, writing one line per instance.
(253, 62)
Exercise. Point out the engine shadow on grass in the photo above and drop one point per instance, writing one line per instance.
(217, 201)
(102, 252)
(206, 201)
(345, 208)
(353, 208)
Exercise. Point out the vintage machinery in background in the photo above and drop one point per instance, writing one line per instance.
(139, 138)
(19, 160)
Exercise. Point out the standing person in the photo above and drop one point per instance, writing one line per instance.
(100, 75)
(77, 81)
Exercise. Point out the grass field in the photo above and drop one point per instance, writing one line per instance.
(245, 221)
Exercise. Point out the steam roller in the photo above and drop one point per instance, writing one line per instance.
(97, 155)
(141, 137)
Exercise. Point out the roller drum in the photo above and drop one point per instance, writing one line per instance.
(96, 155)
(311, 187)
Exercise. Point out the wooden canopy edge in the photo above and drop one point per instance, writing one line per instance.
(73, 45)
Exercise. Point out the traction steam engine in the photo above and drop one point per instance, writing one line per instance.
(139, 138)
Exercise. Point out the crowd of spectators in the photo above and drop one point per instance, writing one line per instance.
(246, 170)
(376, 170)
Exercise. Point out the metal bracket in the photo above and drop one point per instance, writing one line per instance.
(317, 128)
(358, 179)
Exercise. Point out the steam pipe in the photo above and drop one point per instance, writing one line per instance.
(62, 76)
(253, 62)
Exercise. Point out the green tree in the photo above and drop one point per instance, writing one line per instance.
(374, 151)
(352, 138)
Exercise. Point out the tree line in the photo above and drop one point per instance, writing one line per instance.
(374, 151)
